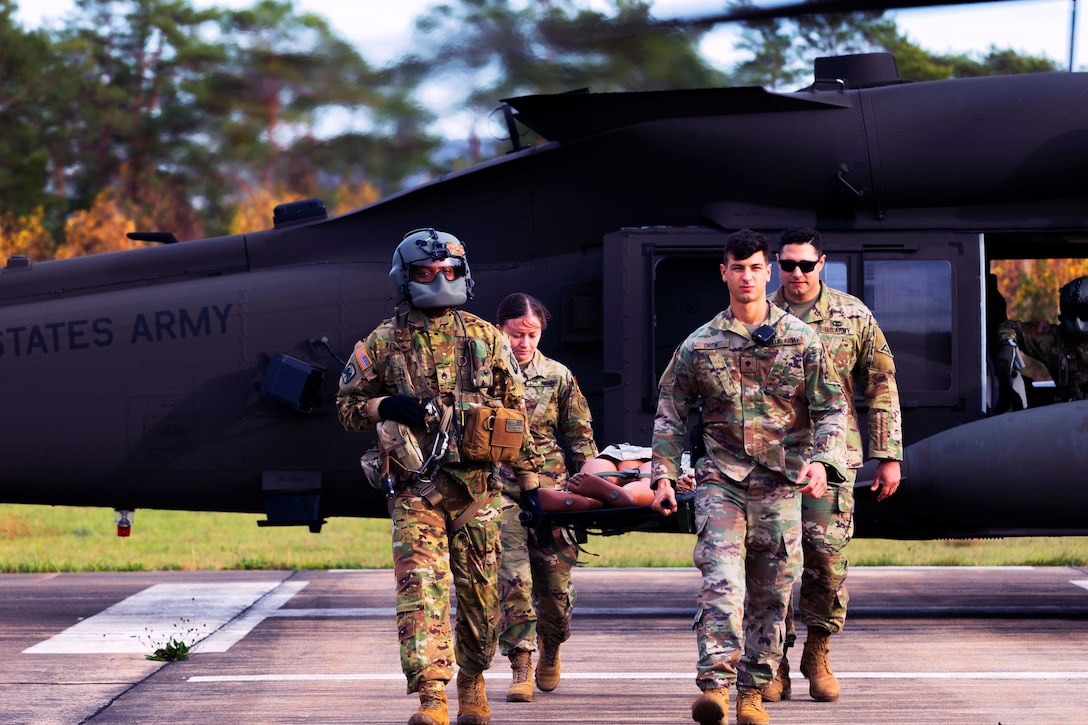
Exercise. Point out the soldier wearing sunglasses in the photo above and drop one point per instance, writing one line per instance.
(860, 354)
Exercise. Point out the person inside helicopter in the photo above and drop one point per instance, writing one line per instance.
(1062, 348)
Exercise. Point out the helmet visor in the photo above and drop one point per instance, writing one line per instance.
(425, 272)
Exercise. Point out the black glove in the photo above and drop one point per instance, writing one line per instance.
(532, 512)
(404, 409)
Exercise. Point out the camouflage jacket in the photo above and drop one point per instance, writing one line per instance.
(1065, 360)
(859, 352)
(429, 369)
(556, 407)
(777, 405)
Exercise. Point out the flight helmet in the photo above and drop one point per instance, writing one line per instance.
(1073, 308)
(432, 247)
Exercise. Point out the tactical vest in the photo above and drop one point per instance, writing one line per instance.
(473, 381)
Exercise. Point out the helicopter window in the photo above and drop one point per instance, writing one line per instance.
(688, 291)
(912, 299)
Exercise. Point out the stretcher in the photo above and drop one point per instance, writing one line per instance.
(622, 520)
(615, 520)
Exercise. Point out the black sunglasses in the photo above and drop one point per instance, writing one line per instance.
(807, 265)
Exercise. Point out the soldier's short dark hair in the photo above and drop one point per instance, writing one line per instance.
(743, 244)
(802, 235)
(521, 304)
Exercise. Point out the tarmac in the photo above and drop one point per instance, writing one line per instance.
(963, 646)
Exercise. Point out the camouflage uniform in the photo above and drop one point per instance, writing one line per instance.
(426, 551)
(859, 352)
(767, 409)
(1065, 359)
(556, 407)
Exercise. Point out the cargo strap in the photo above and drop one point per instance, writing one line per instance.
(567, 533)
(429, 491)
(468, 513)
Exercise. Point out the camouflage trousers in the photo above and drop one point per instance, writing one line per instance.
(748, 550)
(534, 584)
(426, 554)
(827, 525)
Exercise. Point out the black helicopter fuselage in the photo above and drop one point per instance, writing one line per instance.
(202, 375)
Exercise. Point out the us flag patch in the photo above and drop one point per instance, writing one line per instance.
(362, 358)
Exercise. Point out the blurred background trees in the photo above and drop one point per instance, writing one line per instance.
(152, 115)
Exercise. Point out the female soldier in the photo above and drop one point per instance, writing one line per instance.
(534, 582)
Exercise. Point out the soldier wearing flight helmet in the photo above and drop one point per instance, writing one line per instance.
(413, 379)
(1062, 348)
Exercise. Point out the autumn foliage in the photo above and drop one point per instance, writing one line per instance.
(1030, 286)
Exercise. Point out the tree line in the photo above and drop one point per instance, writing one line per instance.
(153, 115)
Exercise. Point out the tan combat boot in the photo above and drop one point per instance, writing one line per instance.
(750, 708)
(521, 689)
(780, 688)
(711, 707)
(472, 707)
(816, 666)
(434, 709)
(548, 668)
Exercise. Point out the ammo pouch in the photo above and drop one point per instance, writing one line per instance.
(400, 444)
(493, 434)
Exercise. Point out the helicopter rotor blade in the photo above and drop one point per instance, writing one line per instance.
(806, 7)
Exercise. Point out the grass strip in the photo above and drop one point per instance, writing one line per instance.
(35, 539)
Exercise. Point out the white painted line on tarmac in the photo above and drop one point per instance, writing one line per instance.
(336, 612)
(584, 611)
(962, 675)
(1064, 675)
(151, 618)
(294, 678)
(1083, 583)
(931, 567)
(267, 606)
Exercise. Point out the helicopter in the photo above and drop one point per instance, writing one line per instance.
(202, 375)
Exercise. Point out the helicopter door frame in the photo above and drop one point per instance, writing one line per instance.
(660, 284)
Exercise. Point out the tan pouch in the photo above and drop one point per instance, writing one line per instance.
(493, 434)
(400, 445)
(373, 468)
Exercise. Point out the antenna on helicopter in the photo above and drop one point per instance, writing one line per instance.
(1072, 34)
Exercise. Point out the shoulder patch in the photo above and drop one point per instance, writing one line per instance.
(361, 358)
(349, 374)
